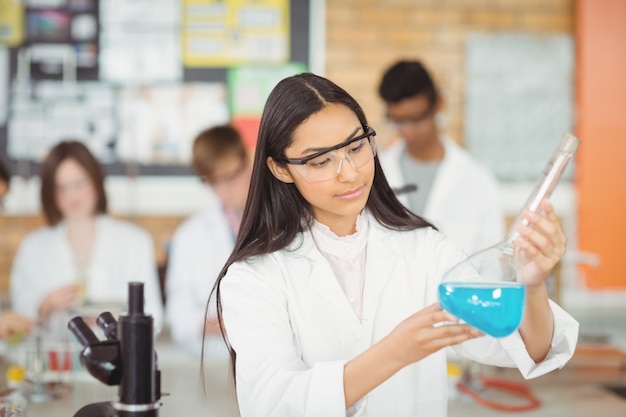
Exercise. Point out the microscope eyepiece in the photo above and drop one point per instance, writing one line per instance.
(108, 324)
(83, 333)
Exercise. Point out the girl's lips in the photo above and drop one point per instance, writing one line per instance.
(351, 194)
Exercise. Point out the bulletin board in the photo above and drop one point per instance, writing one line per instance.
(137, 80)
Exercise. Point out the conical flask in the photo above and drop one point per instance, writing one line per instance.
(487, 289)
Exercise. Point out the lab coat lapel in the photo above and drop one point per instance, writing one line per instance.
(323, 281)
(380, 266)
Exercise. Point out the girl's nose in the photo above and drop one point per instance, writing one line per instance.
(351, 169)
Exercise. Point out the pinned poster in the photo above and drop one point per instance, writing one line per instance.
(140, 41)
(223, 33)
(248, 128)
(55, 112)
(158, 123)
(11, 22)
(248, 88)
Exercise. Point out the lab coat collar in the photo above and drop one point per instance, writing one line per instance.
(379, 267)
(101, 229)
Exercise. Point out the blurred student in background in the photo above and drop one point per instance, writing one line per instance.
(203, 242)
(453, 191)
(82, 255)
(10, 322)
(5, 181)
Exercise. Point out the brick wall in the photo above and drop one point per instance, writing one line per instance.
(14, 228)
(364, 37)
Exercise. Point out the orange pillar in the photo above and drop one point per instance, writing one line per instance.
(601, 158)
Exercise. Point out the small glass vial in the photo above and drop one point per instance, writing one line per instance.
(14, 404)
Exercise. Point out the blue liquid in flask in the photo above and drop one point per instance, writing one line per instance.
(495, 309)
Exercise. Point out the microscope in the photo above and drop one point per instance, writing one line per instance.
(126, 358)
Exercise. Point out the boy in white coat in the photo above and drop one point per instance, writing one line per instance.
(82, 255)
(203, 242)
(454, 192)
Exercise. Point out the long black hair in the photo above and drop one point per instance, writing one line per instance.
(275, 211)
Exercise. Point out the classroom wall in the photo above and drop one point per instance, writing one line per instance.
(364, 37)
(355, 41)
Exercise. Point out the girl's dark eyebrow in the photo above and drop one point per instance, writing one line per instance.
(309, 151)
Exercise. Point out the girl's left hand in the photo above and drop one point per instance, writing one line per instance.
(540, 245)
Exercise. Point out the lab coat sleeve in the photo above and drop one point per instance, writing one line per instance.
(272, 380)
(184, 316)
(510, 351)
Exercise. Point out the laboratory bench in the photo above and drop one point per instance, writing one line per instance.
(181, 387)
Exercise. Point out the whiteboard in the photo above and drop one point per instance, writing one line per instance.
(519, 101)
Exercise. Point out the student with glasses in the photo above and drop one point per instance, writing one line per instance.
(82, 255)
(451, 189)
(328, 300)
(202, 243)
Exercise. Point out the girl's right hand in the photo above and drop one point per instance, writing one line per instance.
(413, 339)
(59, 299)
(418, 336)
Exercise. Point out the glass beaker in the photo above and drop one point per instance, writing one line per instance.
(486, 290)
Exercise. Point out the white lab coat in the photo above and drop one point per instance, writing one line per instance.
(121, 253)
(464, 201)
(198, 251)
(293, 329)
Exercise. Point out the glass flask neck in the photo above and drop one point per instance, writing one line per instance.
(549, 179)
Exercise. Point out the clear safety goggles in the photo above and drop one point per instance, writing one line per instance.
(327, 163)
